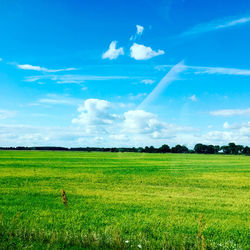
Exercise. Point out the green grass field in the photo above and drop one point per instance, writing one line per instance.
(123, 200)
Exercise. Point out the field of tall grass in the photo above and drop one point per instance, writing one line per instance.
(123, 201)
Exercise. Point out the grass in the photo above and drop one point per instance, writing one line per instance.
(123, 200)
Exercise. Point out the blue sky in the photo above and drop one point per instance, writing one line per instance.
(124, 73)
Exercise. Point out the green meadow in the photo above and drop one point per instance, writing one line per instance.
(123, 201)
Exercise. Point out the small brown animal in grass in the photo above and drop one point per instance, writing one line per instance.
(65, 200)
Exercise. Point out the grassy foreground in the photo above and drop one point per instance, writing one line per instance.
(123, 200)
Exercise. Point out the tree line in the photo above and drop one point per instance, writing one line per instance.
(199, 148)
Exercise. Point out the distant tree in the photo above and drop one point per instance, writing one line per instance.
(184, 149)
(240, 149)
(216, 149)
(199, 148)
(204, 149)
(233, 149)
(164, 149)
(140, 150)
(134, 149)
(179, 149)
(210, 149)
(225, 149)
(114, 150)
(152, 149)
(246, 150)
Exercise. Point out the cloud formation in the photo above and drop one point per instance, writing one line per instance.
(139, 31)
(113, 52)
(98, 125)
(94, 116)
(140, 121)
(43, 69)
(240, 128)
(216, 25)
(141, 52)
(230, 112)
(133, 126)
(143, 123)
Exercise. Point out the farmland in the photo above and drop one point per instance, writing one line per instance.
(123, 200)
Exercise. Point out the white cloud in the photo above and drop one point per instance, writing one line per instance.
(4, 114)
(141, 52)
(238, 133)
(96, 119)
(112, 52)
(139, 31)
(95, 116)
(31, 67)
(230, 112)
(215, 25)
(97, 125)
(117, 136)
(193, 98)
(147, 81)
(140, 122)
(43, 69)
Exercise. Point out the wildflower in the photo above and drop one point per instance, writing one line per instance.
(127, 241)
(139, 245)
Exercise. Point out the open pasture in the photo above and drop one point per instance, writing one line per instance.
(123, 200)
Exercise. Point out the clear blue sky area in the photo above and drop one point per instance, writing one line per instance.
(124, 73)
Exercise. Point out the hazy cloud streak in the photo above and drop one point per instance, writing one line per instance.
(61, 79)
(171, 76)
(230, 112)
(211, 70)
(215, 25)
